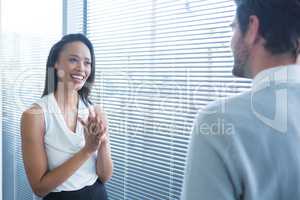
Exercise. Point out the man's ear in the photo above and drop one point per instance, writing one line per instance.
(252, 34)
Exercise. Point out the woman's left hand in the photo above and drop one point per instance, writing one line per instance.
(101, 119)
(97, 123)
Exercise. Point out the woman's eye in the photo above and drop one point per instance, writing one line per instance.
(87, 63)
(73, 60)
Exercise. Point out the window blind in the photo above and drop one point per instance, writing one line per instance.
(158, 62)
(23, 62)
(23, 67)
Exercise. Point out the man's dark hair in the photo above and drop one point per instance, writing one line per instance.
(279, 23)
(51, 81)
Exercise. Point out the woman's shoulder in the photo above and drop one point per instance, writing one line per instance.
(35, 111)
(42, 104)
(32, 117)
(37, 107)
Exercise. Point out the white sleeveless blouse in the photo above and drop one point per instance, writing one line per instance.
(61, 143)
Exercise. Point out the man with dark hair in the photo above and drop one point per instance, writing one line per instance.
(248, 146)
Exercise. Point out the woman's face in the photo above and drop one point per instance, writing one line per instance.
(74, 65)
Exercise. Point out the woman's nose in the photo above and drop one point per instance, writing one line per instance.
(81, 66)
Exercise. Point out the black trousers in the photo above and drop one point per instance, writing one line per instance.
(94, 192)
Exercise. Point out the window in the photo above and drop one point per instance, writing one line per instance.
(24, 46)
(158, 62)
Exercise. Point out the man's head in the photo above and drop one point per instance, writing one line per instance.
(268, 26)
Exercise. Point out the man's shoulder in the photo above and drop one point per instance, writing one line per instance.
(224, 116)
(229, 105)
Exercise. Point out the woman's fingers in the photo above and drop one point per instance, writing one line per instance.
(105, 130)
(101, 117)
(94, 128)
(92, 114)
(103, 126)
(103, 138)
(99, 113)
(84, 123)
(96, 124)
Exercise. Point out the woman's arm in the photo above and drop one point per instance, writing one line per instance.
(104, 161)
(42, 180)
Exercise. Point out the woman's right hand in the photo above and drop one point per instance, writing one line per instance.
(91, 131)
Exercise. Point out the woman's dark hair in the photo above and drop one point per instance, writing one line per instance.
(51, 81)
(279, 23)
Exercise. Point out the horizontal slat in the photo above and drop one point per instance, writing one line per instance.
(138, 137)
(163, 14)
(149, 173)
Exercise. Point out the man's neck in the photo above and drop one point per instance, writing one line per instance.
(264, 61)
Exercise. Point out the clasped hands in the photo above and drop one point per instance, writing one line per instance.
(95, 128)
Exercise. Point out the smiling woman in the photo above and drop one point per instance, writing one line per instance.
(66, 152)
